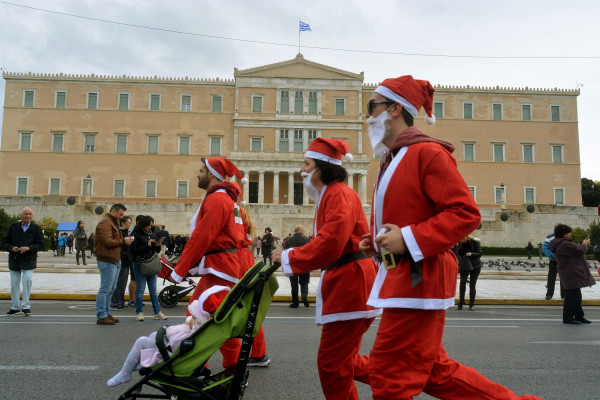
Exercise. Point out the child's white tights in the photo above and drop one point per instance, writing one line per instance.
(132, 362)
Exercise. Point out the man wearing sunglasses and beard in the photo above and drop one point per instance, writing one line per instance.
(421, 208)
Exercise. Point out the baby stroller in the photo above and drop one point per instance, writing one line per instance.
(170, 296)
(183, 375)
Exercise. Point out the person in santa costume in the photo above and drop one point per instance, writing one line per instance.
(214, 239)
(258, 354)
(347, 274)
(421, 208)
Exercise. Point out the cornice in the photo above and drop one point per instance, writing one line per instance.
(493, 89)
(113, 78)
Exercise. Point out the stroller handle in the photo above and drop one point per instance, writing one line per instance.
(273, 268)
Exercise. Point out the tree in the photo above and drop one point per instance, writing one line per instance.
(48, 225)
(590, 192)
(5, 221)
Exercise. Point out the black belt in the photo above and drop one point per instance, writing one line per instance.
(345, 259)
(391, 260)
(233, 250)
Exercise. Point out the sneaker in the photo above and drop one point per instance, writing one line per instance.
(160, 315)
(131, 304)
(13, 312)
(140, 316)
(27, 312)
(263, 361)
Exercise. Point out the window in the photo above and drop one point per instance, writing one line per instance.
(54, 187)
(473, 191)
(559, 196)
(121, 144)
(528, 155)
(555, 113)
(284, 143)
(467, 110)
(257, 104)
(256, 144)
(526, 112)
(22, 185)
(153, 144)
(298, 145)
(529, 195)
(497, 111)
(312, 102)
(557, 154)
(25, 141)
(28, 98)
(155, 102)
(298, 193)
(498, 195)
(87, 186)
(89, 143)
(186, 102)
(184, 145)
(57, 142)
(123, 101)
(340, 106)
(182, 189)
(217, 103)
(150, 188)
(469, 151)
(92, 101)
(215, 146)
(119, 188)
(285, 101)
(499, 152)
(312, 135)
(253, 192)
(60, 100)
(438, 109)
(298, 102)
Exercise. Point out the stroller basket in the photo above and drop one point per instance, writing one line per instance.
(240, 315)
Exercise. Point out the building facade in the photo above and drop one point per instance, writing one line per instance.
(139, 140)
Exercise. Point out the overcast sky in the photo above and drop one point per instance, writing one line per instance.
(217, 36)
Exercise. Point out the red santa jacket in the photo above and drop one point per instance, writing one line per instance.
(215, 230)
(423, 193)
(339, 224)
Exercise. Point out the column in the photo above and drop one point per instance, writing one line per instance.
(275, 187)
(351, 180)
(261, 187)
(362, 188)
(246, 186)
(290, 187)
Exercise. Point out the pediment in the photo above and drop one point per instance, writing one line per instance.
(299, 68)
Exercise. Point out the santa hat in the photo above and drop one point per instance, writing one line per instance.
(329, 150)
(411, 93)
(239, 192)
(208, 303)
(221, 168)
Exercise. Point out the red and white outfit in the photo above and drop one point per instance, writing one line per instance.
(343, 290)
(422, 192)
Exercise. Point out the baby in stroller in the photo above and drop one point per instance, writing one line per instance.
(145, 353)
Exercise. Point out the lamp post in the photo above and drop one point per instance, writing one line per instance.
(503, 205)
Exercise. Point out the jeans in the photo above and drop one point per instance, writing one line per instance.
(141, 281)
(108, 282)
(15, 283)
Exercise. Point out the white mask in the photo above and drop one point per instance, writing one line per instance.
(311, 190)
(377, 132)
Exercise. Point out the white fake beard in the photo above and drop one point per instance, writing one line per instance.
(378, 132)
(311, 190)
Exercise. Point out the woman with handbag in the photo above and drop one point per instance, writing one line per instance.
(146, 265)
(469, 267)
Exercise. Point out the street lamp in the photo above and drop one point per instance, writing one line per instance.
(503, 194)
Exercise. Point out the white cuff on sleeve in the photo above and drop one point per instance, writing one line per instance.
(285, 262)
(176, 277)
(411, 244)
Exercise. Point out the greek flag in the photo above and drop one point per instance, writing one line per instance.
(304, 27)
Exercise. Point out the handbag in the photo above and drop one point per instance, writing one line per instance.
(464, 263)
(150, 266)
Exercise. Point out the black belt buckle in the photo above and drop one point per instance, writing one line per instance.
(388, 260)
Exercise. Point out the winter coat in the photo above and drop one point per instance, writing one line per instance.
(572, 266)
(108, 240)
(80, 238)
(15, 237)
(472, 246)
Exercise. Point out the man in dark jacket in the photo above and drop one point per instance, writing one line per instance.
(118, 297)
(298, 240)
(22, 241)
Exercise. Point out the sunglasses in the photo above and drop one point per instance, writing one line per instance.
(372, 103)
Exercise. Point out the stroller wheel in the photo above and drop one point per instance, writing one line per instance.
(168, 297)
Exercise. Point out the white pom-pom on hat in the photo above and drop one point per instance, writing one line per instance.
(430, 120)
(349, 157)
(244, 181)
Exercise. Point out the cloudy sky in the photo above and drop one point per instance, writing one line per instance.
(533, 43)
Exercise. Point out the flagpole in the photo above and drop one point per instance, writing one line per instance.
(298, 36)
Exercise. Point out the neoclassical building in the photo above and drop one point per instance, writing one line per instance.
(103, 139)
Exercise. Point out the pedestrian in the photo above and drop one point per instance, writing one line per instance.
(80, 242)
(62, 244)
(469, 248)
(91, 244)
(268, 242)
(573, 271)
(22, 240)
(540, 247)
(70, 240)
(54, 244)
(347, 273)
(163, 237)
(214, 239)
(107, 244)
(258, 246)
(118, 298)
(529, 250)
(552, 267)
(143, 247)
(421, 208)
(298, 240)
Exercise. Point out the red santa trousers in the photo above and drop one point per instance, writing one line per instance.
(408, 358)
(338, 359)
(231, 348)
